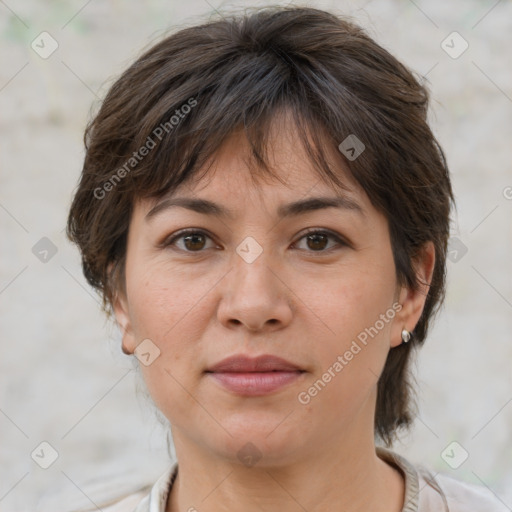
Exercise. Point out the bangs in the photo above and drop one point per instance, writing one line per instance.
(259, 108)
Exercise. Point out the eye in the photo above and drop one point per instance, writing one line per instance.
(193, 240)
(317, 240)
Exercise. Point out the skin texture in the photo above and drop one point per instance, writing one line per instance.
(304, 301)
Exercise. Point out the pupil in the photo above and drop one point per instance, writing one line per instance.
(194, 238)
(314, 238)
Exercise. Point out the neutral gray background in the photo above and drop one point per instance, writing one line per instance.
(63, 378)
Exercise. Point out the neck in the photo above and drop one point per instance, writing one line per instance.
(347, 473)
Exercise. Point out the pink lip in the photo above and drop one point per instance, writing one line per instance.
(255, 383)
(243, 364)
(248, 376)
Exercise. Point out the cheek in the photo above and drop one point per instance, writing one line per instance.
(352, 355)
(162, 300)
(358, 312)
(171, 309)
(354, 301)
(168, 315)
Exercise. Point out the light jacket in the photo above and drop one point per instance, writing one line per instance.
(424, 492)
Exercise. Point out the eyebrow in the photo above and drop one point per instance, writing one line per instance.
(302, 206)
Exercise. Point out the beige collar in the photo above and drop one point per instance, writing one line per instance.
(157, 499)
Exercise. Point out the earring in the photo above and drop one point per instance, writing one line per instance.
(406, 335)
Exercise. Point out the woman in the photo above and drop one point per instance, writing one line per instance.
(266, 213)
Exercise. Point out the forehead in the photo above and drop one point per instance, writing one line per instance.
(233, 176)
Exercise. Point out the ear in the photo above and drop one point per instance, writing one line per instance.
(123, 319)
(413, 301)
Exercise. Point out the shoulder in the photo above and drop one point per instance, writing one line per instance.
(429, 492)
(110, 496)
(454, 495)
(152, 498)
(129, 503)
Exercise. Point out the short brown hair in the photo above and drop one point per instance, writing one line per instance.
(237, 73)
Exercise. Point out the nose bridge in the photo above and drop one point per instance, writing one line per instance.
(255, 295)
(253, 277)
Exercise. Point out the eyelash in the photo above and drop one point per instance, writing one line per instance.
(181, 234)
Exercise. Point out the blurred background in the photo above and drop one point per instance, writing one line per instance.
(74, 420)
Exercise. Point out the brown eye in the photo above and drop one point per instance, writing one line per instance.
(318, 241)
(193, 240)
(196, 241)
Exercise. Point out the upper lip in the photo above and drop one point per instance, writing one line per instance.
(243, 363)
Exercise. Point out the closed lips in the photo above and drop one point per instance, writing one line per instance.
(260, 364)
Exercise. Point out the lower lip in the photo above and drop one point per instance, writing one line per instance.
(255, 383)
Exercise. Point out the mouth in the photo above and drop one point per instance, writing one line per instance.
(257, 376)
(255, 383)
(242, 363)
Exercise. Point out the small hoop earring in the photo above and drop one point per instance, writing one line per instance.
(406, 335)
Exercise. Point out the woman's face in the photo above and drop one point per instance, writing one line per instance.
(251, 282)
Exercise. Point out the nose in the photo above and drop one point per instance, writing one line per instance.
(256, 296)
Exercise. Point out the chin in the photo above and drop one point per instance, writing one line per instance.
(261, 446)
